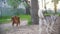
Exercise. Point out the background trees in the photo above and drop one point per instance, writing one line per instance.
(55, 4)
(15, 4)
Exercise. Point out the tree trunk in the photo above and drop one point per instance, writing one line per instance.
(55, 7)
(34, 11)
(27, 10)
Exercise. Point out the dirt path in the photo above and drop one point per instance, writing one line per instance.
(22, 29)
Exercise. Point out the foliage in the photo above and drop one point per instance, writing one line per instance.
(25, 4)
(15, 3)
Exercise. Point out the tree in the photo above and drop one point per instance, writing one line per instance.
(15, 3)
(28, 7)
(34, 11)
(55, 4)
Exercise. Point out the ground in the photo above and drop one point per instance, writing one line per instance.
(25, 29)
(22, 29)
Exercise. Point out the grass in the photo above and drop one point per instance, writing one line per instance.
(29, 22)
(27, 17)
(4, 19)
(51, 14)
(22, 17)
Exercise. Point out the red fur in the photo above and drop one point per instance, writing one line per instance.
(16, 20)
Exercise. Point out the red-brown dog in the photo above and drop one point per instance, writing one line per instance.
(15, 20)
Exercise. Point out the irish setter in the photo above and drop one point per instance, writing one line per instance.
(15, 20)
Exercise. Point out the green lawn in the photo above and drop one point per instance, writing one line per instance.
(22, 17)
(28, 17)
(4, 19)
(51, 14)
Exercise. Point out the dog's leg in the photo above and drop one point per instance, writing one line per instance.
(13, 24)
(17, 24)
